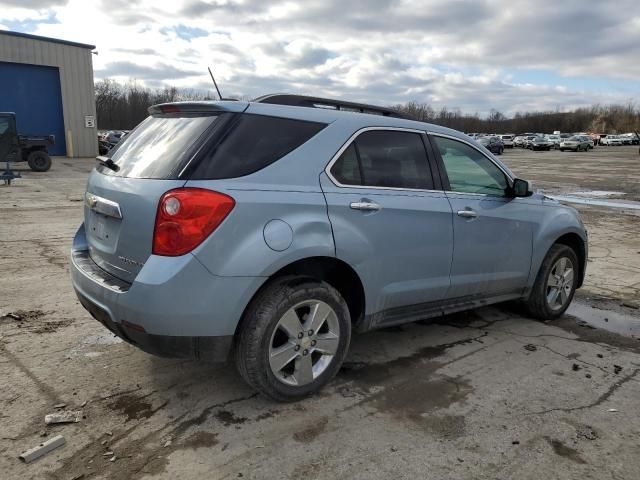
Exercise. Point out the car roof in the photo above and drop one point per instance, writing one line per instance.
(324, 115)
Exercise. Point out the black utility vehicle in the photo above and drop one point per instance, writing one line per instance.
(23, 148)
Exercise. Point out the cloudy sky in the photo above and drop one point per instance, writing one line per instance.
(512, 55)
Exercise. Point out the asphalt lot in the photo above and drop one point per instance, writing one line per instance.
(484, 394)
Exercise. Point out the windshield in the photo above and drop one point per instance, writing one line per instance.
(157, 147)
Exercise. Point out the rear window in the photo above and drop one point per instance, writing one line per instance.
(255, 142)
(158, 147)
(387, 159)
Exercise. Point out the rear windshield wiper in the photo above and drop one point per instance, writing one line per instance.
(107, 162)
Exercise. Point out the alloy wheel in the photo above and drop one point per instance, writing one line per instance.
(304, 342)
(560, 283)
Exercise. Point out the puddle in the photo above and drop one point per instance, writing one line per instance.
(596, 202)
(606, 319)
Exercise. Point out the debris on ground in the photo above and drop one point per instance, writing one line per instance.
(530, 347)
(60, 405)
(600, 355)
(588, 375)
(575, 367)
(515, 442)
(42, 449)
(631, 305)
(346, 392)
(612, 410)
(617, 369)
(63, 417)
(587, 433)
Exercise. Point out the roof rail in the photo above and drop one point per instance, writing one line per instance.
(327, 103)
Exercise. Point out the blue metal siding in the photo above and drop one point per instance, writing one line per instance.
(33, 93)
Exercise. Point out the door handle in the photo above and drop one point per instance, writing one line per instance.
(467, 213)
(365, 206)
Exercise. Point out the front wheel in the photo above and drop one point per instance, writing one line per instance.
(555, 284)
(39, 161)
(293, 339)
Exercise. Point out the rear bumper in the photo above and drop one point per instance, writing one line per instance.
(174, 307)
(212, 349)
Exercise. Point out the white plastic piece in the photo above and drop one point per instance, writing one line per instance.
(42, 449)
(63, 417)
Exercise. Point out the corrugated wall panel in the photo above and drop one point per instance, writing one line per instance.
(76, 84)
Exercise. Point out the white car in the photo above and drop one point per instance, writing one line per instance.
(507, 140)
(611, 140)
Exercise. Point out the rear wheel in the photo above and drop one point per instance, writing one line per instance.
(39, 161)
(555, 284)
(293, 339)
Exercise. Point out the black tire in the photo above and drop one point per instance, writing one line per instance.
(261, 319)
(562, 149)
(537, 305)
(39, 161)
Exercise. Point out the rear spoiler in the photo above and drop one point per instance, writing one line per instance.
(209, 107)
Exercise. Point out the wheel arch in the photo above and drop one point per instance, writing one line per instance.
(577, 244)
(337, 273)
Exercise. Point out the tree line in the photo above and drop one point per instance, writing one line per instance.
(123, 106)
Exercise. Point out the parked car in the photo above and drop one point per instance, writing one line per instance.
(112, 136)
(575, 143)
(507, 140)
(540, 143)
(554, 139)
(493, 144)
(519, 141)
(611, 140)
(629, 139)
(268, 232)
(529, 139)
(588, 139)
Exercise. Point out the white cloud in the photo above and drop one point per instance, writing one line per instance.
(445, 52)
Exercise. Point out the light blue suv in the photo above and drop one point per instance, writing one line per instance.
(268, 231)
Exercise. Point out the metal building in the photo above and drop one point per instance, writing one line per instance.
(48, 83)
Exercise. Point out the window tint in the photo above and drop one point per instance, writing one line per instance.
(255, 142)
(157, 147)
(385, 158)
(4, 125)
(469, 170)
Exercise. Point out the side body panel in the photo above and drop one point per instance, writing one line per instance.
(402, 252)
(239, 246)
(492, 252)
(555, 220)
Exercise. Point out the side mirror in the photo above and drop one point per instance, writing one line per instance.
(522, 188)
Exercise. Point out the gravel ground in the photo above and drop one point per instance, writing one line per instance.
(484, 394)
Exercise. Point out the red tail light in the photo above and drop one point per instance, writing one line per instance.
(186, 216)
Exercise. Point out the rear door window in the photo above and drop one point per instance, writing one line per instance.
(385, 159)
(255, 142)
(159, 146)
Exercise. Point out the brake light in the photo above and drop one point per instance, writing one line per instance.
(170, 109)
(185, 217)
